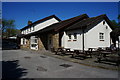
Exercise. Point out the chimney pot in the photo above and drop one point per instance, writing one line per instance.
(29, 22)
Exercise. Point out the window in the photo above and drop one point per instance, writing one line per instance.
(32, 28)
(75, 36)
(103, 22)
(33, 40)
(101, 36)
(106, 27)
(27, 30)
(69, 36)
(24, 41)
(22, 32)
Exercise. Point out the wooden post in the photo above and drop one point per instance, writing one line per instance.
(83, 39)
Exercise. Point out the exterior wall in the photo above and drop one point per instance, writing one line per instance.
(40, 44)
(92, 36)
(26, 45)
(45, 24)
(40, 26)
(72, 44)
(55, 40)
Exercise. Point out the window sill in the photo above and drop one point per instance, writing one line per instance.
(69, 40)
(101, 40)
(74, 40)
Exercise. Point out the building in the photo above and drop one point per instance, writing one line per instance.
(80, 32)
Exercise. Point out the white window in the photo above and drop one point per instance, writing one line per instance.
(69, 36)
(33, 40)
(103, 22)
(32, 28)
(24, 41)
(22, 32)
(21, 41)
(28, 29)
(75, 36)
(101, 36)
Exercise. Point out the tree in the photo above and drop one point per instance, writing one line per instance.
(115, 24)
(8, 28)
(119, 20)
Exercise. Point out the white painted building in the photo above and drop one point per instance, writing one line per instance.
(28, 39)
(80, 32)
(96, 34)
(38, 25)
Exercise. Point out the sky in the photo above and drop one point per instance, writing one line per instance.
(60, 0)
(21, 12)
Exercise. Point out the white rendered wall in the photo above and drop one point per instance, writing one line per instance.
(72, 44)
(92, 36)
(45, 24)
(41, 25)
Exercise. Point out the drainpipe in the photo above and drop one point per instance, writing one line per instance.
(83, 39)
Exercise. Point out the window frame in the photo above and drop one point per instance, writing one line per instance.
(69, 37)
(75, 37)
(101, 36)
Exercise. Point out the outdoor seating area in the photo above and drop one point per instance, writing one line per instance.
(101, 54)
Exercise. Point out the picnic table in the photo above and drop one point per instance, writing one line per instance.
(106, 56)
(62, 50)
(81, 53)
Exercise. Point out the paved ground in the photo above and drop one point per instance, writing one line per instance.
(27, 64)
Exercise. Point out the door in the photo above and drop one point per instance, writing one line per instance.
(34, 43)
(50, 42)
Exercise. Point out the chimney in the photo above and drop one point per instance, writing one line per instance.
(29, 22)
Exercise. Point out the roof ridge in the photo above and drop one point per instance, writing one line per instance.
(72, 20)
(43, 19)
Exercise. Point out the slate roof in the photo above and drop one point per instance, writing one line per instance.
(61, 25)
(41, 20)
(85, 23)
(79, 22)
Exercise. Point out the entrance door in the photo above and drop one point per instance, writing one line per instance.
(34, 43)
(50, 42)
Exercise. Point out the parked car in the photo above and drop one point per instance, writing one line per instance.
(9, 45)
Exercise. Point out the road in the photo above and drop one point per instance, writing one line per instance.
(26, 64)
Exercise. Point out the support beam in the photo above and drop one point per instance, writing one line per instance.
(83, 40)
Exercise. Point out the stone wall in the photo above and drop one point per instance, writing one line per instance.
(40, 44)
(27, 45)
(55, 40)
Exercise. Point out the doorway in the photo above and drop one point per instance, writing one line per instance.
(34, 43)
(50, 42)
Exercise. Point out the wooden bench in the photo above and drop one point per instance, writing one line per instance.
(106, 56)
(63, 50)
(80, 53)
(60, 50)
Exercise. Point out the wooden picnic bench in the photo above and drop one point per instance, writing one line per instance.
(81, 53)
(61, 50)
(106, 56)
